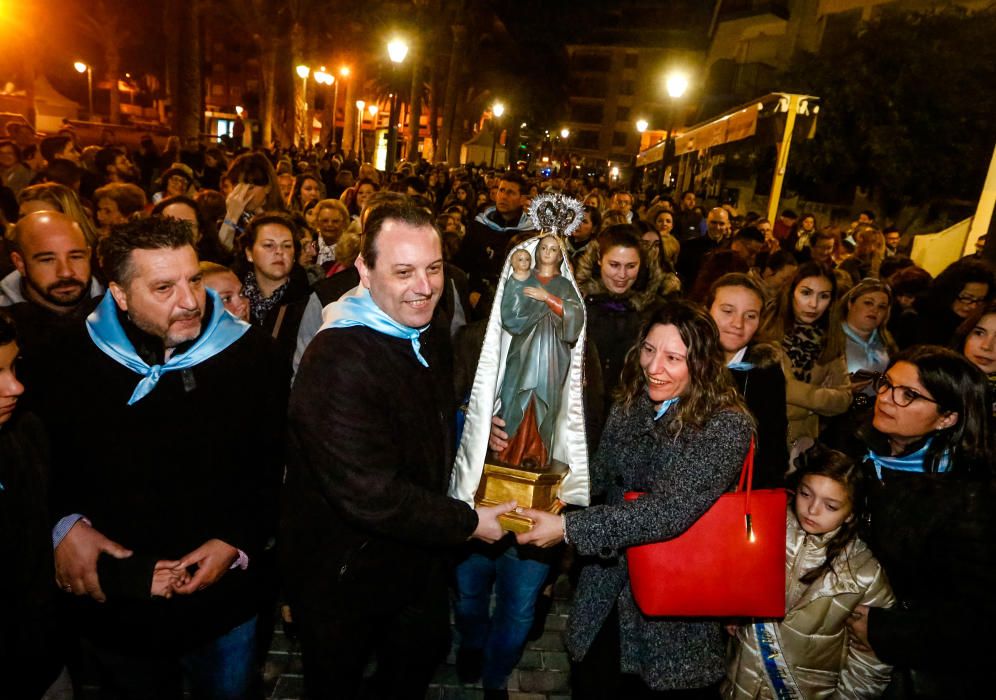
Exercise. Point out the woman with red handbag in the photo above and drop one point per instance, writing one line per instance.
(678, 432)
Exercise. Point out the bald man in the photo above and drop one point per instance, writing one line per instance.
(693, 251)
(52, 286)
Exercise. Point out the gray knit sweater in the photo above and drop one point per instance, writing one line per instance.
(682, 477)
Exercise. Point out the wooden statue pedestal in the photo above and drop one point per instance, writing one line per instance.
(529, 489)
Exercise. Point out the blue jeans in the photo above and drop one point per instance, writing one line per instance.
(517, 582)
(222, 669)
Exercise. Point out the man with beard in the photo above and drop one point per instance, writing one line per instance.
(163, 498)
(52, 287)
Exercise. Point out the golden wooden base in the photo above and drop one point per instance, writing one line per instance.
(529, 489)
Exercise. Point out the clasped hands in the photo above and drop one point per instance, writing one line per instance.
(77, 554)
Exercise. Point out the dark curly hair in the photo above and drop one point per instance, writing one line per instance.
(153, 233)
(710, 385)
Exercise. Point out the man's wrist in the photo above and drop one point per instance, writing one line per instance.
(63, 527)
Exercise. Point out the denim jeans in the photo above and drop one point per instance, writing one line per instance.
(222, 669)
(517, 581)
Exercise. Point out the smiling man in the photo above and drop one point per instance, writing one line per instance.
(367, 525)
(163, 496)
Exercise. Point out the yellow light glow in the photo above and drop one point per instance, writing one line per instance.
(373, 109)
(397, 49)
(80, 67)
(676, 82)
(565, 132)
(302, 72)
(344, 71)
(641, 125)
(239, 110)
(360, 104)
(498, 109)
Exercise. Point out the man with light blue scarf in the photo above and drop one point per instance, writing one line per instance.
(367, 528)
(164, 494)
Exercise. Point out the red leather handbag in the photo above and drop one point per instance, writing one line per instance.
(729, 563)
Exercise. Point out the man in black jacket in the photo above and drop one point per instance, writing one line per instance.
(157, 471)
(366, 527)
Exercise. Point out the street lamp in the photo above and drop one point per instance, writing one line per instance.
(397, 49)
(343, 74)
(303, 72)
(565, 133)
(84, 68)
(497, 109)
(641, 125)
(324, 78)
(360, 104)
(676, 83)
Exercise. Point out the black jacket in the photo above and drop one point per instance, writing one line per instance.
(30, 650)
(763, 390)
(197, 458)
(371, 445)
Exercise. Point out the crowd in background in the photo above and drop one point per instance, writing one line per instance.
(832, 336)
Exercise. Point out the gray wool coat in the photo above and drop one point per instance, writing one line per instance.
(681, 477)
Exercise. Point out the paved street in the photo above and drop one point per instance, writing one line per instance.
(542, 673)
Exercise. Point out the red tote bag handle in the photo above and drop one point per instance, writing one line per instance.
(747, 474)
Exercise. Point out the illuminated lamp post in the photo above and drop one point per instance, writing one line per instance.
(397, 49)
(84, 68)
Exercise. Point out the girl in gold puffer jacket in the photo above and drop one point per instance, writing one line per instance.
(829, 573)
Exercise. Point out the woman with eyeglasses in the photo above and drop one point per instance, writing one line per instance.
(958, 292)
(927, 453)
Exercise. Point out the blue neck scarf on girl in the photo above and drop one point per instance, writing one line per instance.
(737, 362)
(357, 308)
(665, 405)
(912, 462)
(106, 331)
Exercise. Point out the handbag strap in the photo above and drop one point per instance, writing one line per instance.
(747, 475)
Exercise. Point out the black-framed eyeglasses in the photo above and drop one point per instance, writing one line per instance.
(969, 299)
(902, 396)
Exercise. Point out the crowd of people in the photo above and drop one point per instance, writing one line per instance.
(230, 390)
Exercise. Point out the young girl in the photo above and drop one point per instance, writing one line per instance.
(829, 573)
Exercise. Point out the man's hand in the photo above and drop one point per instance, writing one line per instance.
(212, 559)
(166, 576)
(857, 625)
(488, 527)
(547, 529)
(499, 438)
(76, 560)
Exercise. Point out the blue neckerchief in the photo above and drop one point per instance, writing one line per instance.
(742, 366)
(524, 224)
(106, 331)
(874, 352)
(357, 308)
(912, 462)
(665, 406)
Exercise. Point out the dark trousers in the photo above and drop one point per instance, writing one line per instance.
(407, 633)
(598, 677)
(222, 669)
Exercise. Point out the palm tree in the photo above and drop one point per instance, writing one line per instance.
(106, 24)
